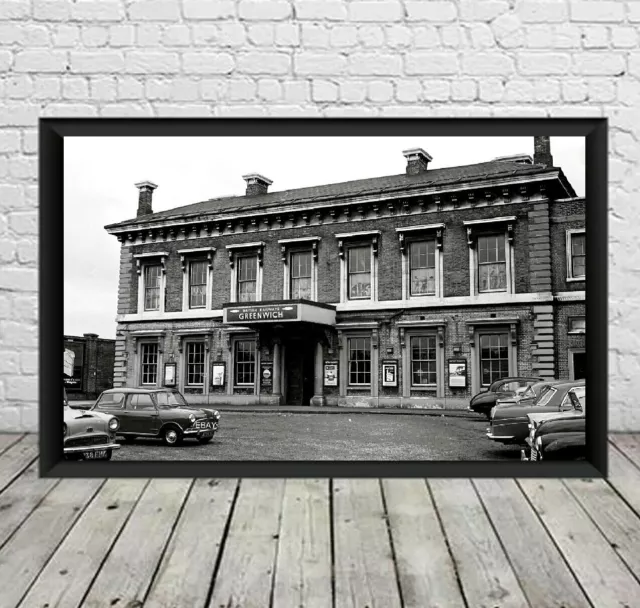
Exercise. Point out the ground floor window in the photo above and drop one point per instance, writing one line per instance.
(423, 361)
(149, 363)
(359, 352)
(494, 357)
(195, 364)
(245, 362)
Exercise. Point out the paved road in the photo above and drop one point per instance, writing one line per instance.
(285, 436)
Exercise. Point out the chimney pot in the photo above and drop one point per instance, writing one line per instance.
(542, 151)
(256, 184)
(145, 197)
(417, 160)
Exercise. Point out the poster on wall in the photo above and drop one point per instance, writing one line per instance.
(389, 372)
(217, 373)
(457, 373)
(266, 374)
(331, 373)
(169, 374)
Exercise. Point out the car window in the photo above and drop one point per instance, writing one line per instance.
(510, 387)
(578, 399)
(170, 399)
(111, 401)
(141, 402)
(546, 396)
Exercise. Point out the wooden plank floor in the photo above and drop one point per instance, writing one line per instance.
(228, 543)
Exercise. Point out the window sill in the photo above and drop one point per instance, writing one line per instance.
(359, 387)
(425, 389)
(576, 333)
(575, 279)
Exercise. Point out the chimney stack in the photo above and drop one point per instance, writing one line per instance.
(542, 151)
(145, 198)
(417, 160)
(256, 184)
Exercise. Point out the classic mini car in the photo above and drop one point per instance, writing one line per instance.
(509, 424)
(88, 435)
(162, 413)
(500, 389)
(561, 436)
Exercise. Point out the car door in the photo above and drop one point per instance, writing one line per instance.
(142, 413)
(113, 404)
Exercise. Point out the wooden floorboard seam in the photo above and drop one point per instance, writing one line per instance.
(620, 448)
(391, 545)
(168, 541)
(8, 443)
(332, 547)
(223, 542)
(275, 559)
(113, 544)
(448, 544)
(556, 545)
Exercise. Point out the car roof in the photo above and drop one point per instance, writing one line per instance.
(568, 383)
(139, 390)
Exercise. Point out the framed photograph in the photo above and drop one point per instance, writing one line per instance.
(218, 373)
(464, 250)
(170, 374)
(331, 373)
(389, 372)
(457, 373)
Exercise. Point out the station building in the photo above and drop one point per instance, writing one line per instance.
(411, 290)
(92, 367)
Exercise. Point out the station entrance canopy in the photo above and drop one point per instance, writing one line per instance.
(280, 312)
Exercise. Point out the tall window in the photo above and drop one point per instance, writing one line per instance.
(359, 269)
(245, 362)
(247, 278)
(152, 283)
(492, 266)
(149, 363)
(578, 255)
(300, 275)
(198, 284)
(422, 260)
(195, 363)
(494, 357)
(360, 361)
(423, 361)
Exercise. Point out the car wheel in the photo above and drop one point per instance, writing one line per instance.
(203, 440)
(172, 436)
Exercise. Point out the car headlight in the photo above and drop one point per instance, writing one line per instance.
(216, 414)
(114, 424)
(493, 411)
(192, 418)
(531, 426)
(64, 428)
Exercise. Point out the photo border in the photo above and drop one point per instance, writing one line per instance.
(51, 281)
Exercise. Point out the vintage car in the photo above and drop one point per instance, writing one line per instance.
(500, 389)
(88, 435)
(163, 413)
(526, 394)
(560, 436)
(509, 424)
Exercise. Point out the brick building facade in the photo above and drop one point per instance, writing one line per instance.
(93, 366)
(409, 290)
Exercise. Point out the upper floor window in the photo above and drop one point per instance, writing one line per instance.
(577, 325)
(422, 268)
(152, 285)
(301, 275)
(198, 283)
(492, 264)
(359, 273)
(576, 254)
(247, 278)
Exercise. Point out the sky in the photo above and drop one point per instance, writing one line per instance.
(100, 173)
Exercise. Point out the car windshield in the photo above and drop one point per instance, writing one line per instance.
(546, 396)
(578, 398)
(170, 399)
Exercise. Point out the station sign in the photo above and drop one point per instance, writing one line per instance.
(257, 313)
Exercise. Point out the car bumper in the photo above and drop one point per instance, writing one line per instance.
(191, 432)
(502, 438)
(92, 448)
(524, 455)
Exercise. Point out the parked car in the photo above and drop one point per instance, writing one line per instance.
(163, 413)
(525, 394)
(500, 389)
(88, 435)
(509, 424)
(560, 436)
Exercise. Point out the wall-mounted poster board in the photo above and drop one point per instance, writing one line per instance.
(389, 372)
(169, 374)
(218, 373)
(331, 373)
(266, 374)
(457, 373)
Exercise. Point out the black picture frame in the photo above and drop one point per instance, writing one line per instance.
(52, 132)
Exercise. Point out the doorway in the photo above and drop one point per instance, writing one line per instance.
(577, 364)
(299, 371)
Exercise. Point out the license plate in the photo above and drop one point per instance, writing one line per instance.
(203, 425)
(95, 455)
(207, 434)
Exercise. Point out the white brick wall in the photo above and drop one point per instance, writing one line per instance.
(312, 58)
